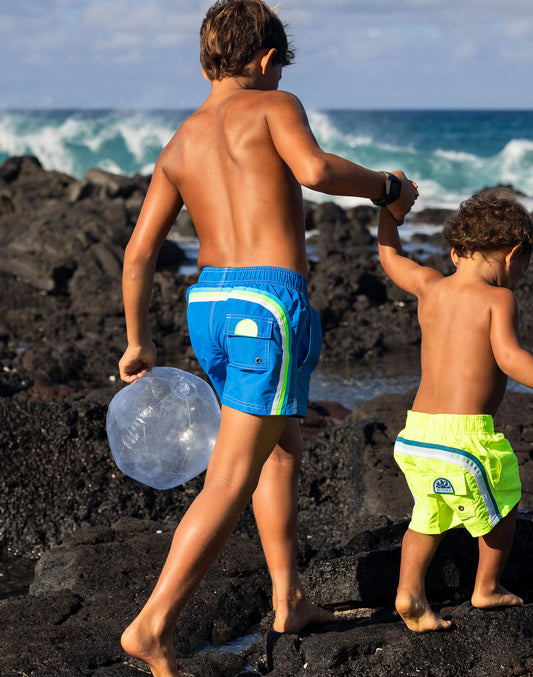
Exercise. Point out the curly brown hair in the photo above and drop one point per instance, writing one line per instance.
(232, 33)
(490, 220)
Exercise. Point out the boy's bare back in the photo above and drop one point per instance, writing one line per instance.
(243, 199)
(460, 374)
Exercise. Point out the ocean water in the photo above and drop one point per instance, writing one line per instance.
(450, 154)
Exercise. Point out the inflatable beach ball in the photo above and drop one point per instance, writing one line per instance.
(162, 427)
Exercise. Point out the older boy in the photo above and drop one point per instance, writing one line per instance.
(237, 164)
(460, 472)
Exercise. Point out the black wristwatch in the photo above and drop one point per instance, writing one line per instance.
(391, 190)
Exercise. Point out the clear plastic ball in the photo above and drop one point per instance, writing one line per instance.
(162, 427)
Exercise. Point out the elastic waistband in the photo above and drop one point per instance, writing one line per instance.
(458, 423)
(220, 277)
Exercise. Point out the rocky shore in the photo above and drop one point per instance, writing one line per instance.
(88, 542)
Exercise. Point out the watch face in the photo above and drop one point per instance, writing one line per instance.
(393, 187)
(391, 191)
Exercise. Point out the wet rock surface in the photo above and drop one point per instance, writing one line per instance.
(97, 539)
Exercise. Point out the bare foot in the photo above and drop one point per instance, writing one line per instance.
(156, 653)
(499, 597)
(418, 616)
(295, 615)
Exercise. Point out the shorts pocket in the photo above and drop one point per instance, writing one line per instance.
(445, 484)
(249, 341)
(453, 490)
(315, 342)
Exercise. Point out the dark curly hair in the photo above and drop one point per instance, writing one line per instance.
(490, 220)
(232, 33)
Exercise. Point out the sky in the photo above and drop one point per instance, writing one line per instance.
(372, 54)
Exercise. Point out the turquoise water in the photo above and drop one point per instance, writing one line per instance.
(451, 154)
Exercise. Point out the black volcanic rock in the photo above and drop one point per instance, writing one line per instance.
(98, 539)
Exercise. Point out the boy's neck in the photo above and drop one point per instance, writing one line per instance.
(487, 269)
(232, 84)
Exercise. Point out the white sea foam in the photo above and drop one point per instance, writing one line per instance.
(330, 137)
(121, 142)
(147, 169)
(141, 131)
(516, 165)
(53, 144)
(110, 166)
(456, 156)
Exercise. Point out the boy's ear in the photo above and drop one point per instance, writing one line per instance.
(454, 256)
(265, 58)
(513, 254)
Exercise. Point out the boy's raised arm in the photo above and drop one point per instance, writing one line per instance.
(314, 168)
(404, 272)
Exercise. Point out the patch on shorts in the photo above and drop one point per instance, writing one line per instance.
(246, 328)
(443, 486)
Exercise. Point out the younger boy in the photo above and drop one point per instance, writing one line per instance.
(237, 163)
(460, 472)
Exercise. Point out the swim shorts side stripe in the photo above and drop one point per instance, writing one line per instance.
(459, 457)
(278, 310)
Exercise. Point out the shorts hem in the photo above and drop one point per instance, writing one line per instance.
(434, 532)
(475, 531)
(248, 408)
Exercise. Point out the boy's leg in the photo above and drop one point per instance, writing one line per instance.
(243, 444)
(494, 549)
(411, 603)
(275, 507)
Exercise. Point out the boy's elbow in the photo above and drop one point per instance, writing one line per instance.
(509, 364)
(386, 258)
(136, 256)
(314, 174)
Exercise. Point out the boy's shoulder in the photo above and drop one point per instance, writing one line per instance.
(283, 98)
(501, 297)
(263, 99)
(258, 100)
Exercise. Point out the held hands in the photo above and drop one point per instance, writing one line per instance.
(136, 361)
(409, 193)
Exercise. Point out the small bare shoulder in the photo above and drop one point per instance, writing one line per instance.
(501, 297)
(428, 275)
(416, 279)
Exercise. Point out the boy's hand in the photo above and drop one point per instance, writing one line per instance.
(409, 193)
(136, 362)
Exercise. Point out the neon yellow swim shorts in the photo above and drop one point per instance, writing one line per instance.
(460, 472)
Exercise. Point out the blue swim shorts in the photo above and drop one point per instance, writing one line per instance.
(460, 472)
(256, 337)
